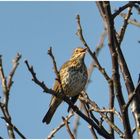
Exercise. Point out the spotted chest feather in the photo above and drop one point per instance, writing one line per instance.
(73, 79)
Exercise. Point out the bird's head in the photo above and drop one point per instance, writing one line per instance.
(79, 54)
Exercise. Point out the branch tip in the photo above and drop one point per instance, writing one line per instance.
(50, 51)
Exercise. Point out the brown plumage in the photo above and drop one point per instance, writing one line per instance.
(73, 76)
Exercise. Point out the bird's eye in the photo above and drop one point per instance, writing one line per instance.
(76, 51)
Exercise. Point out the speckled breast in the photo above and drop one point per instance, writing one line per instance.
(73, 80)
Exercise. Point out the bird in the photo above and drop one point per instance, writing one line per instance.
(73, 77)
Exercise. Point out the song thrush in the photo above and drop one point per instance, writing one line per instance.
(73, 76)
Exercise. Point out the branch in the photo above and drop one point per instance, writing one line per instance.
(54, 131)
(68, 128)
(131, 21)
(54, 63)
(100, 68)
(135, 108)
(132, 96)
(93, 55)
(117, 12)
(90, 115)
(77, 121)
(94, 105)
(55, 68)
(109, 22)
(15, 128)
(123, 28)
(133, 130)
(89, 126)
(106, 111)
(6, 86)
(111, 104)
(15, 65)
(90, 71)
(19, 132)
(98, 49)
(137, 7)
(3, 78)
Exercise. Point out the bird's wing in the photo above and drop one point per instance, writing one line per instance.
(56, 89)
(56, 84)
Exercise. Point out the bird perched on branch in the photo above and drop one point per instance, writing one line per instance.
(73, 76)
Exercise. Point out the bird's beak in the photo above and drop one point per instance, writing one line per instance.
(84, 50)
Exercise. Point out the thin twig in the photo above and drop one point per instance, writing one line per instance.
(90, 127)
(55, 130)
(123, 28)
(102, 110)
(6, 86)
(106, 111)
(131, 21)
(137, 7)
(92, 103)
(132, 96)
(55, 69)
(111, 104)
(97, 50)
(68, 128)
(117, 12)
(133, 130)
(14, 127)
(15, 65)
(19, 132)
(77, 121)
(3, 78)
(93, 54)
(54, 63)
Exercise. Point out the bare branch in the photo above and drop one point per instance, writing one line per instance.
(123, 28)
(6, 86)
(77, 121)
(133, 130)
(14, 127)
(2, 76)
(89, 126)
(137, 7)
(117, 12)
(93, 55)
(15, 65)
(115, 69)
(54, 131)
(55, 68)
(131, 21)
(98, 49)
(135, 108)
(111, 103)
(68, 128)
(19, 132)
(93, 104)
(132, 96)
(90, 70)
(54, 63)
(102, 70)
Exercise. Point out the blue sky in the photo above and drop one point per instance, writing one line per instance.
(30, 28)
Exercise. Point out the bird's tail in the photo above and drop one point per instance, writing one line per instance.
(55, 103)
